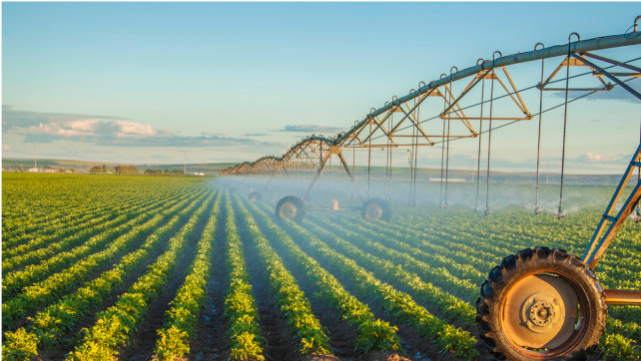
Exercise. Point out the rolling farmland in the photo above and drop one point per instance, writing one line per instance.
(175, 268)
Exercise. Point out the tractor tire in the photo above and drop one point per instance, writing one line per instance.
(290, 207)
(541, 304)
(255, 196)
(376, 209)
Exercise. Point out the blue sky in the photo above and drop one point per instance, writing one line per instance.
(155, 82)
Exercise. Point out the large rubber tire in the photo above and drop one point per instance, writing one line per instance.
(577, 342)
(376, 209)
(290, 207)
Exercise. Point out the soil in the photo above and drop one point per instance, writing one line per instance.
(416, 348)
(386, 356)
(424, 303)
(319, 357)
(341, 335)
(143, 341)
(281, 343)
(210, 341)
(89, 320)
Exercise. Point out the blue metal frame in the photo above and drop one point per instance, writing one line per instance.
(593, 254)
(600, 238)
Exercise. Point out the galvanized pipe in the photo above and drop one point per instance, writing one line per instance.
(606, 42)
(600, 43)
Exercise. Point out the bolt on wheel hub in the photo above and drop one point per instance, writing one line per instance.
(542, 313)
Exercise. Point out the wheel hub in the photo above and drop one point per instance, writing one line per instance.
(373, 213)
(540, 311)
(288, 211)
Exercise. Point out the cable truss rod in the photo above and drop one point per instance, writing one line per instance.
(578, 50)
(606, 42)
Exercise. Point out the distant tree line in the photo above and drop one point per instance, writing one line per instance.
(126, 169)
(130, 169)
(96, 169)
(119, 169)
(150, 171)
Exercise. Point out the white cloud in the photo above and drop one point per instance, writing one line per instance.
(84, 125)
(131, 129)
(600, 158)
(63, 130)
(103, 130)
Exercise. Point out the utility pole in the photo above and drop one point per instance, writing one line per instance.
(184, 162)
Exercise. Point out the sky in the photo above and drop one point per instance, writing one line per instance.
(230, 82)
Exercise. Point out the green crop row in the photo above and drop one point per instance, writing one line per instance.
(50, 326)
(451, 308)
(436, 241)
(96, 216)
(61, 224)
(371, 334)
(15, 281)
(289, 297)
(51, 289)
(54, 201)
(397, 304)
(437, 256)
(81, 233)
(432, 268)
(28, 242)
(245, 340)
(114, 326)
(180, 319)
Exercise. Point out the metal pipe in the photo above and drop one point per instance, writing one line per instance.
(606, 42)
(600, 43)
(622, 297)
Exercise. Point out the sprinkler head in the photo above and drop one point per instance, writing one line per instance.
(487, 211)
(537, 210)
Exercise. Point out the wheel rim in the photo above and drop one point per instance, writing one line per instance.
(541, 315)
(373, 212)
(288, 211)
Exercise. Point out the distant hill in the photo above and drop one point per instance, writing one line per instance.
(80, 166)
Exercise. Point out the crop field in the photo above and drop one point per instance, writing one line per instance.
(180, 268)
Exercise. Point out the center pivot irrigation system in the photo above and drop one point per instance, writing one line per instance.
(541, 303)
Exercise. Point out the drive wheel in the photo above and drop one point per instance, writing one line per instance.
(541, 304)
(290, 207)
(376, 209)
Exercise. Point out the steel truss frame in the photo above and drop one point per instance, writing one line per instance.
(383, 123)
